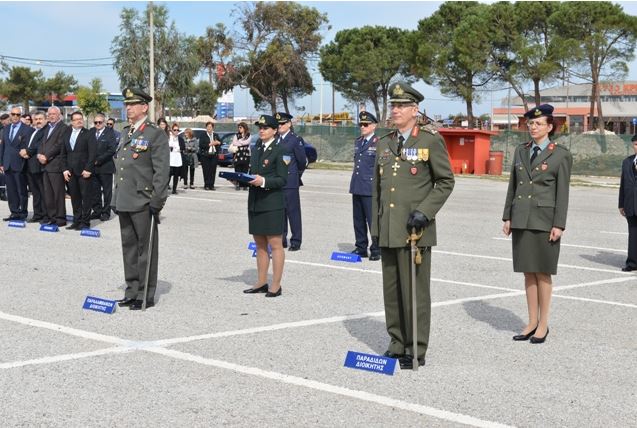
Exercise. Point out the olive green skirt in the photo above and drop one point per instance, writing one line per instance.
(532, 252)
(266, 222)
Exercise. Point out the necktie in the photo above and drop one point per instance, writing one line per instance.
(401, 140)
(131, 130)
(51, 126)
(536, 151)
(73, 138)
(97, 136)
(13, 128)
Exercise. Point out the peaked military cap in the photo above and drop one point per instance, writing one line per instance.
(267, 120)
(541, 110)
(401, 92)
(283, 117)
(136, 96)
(366, 117)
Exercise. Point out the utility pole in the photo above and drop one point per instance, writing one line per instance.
(151, 109)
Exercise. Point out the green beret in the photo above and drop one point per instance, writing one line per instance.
(401, 92)
(136, 96)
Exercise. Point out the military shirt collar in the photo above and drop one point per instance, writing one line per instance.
(140, 122)
(543, 145)
(284, 135)
(267, 144)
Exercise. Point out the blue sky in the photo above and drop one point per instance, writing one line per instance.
(71, 30)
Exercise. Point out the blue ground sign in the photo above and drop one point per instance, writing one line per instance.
(98, 304)
(370, 362)
(346, 257)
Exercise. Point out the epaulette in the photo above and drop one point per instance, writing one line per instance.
(395, 131)
(151, 124)
(429, 128)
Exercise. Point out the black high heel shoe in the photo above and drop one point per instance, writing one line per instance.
(535, 339)
(270, 294)
(525, 336)
(262, 289)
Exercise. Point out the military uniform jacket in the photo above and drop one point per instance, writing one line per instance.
(271, 164)
(537, 197)
(141, 169)
(420, 178)
(364, 160)
(10, 157)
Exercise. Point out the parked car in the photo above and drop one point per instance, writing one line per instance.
(224, 157)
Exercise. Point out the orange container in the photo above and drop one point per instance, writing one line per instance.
(494, 164)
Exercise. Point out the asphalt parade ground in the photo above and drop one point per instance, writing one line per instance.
(209, 355)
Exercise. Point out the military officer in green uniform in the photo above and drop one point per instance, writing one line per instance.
(141, 188)
(535, 213)
(412, 181)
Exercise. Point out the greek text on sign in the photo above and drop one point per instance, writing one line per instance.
(371, 363)
(98, 304)
(346, 257)
(15, 223)
(93, 233)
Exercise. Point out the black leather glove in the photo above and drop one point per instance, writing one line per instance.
(417, 220)
(155, 213)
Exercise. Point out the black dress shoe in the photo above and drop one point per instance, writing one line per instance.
(390, 354)
(285, 245)
(125, 301)
(137, 305)
(74, 226)
(45, 221)
(525, 336)
(374, 257)
(407, 362)
(535, 339)
(262, 289)
(10, 218)
(278, 293)
(294, 248)
(94, 216)
(360, 253)
(34, 220)
(213, 188)
(105, 217)
(628, 269)
(60, 224)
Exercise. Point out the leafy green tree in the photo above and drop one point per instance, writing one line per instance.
(176, 63)
(452, 50)
(23, 85)
(605, 38)
(59, 85)
(363, 62)
(216, 43)
(92, 100)
(271, 52)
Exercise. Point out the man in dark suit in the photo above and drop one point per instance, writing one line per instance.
(208, 148)
(110, 123)
(104, 168)
(33, 167)
(360, 185)
(49, 155)
(78, 156)
(297, 163)
(15, 137)
(628, 205)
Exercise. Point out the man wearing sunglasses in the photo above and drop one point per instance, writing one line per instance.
(104, 168)
(110, 123)
(360, 185)
(15, 138)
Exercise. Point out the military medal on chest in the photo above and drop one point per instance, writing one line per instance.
(135, 155)
(544, 166)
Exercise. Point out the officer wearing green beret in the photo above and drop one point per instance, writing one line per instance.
(141, 188)
(412, 181)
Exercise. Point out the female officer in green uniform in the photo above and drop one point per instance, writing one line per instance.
(266, 205)
(535, 212)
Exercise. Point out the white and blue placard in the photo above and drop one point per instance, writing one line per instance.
(252, 246)
(92, 233)
(18, 223)
(98, 304)
(49, 228)
(70, 218)
(370, 363)
(346, 257)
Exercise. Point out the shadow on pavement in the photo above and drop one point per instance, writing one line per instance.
(498, 318)
(606, 258)
(247, 277)
(370, 331)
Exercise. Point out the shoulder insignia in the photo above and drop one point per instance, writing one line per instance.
(391, 134)
(430, 129)
(528, 144)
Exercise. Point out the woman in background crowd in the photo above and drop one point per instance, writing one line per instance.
(208, 147)
(535, 212)
(266, 205)
(241, 148)
(189, 157)
(161, 122)
(176, 145)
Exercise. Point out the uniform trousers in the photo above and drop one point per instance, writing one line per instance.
(80, 189)
(17, 195)
(209, 167)
(102, 187)
(135, 231)
(631, 260)
(54, 194)
(293, 216)
(396, 264)
(36, 185)
(362, 212)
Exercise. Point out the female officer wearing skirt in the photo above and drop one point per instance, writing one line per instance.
(535, 212)
(266, 205)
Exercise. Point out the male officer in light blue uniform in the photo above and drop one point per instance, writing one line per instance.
(360, 185)
(293, 145)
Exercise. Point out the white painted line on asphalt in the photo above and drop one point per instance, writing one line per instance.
(65, 357)
(480, 256)
(613, 233)
(62, 329)
(196, 199)
(575, 246)
(587, 284)
(328, 388)
(344, 193)
(332, 266)
(605, 302)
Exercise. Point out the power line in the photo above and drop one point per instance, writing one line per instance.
(71, 63)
